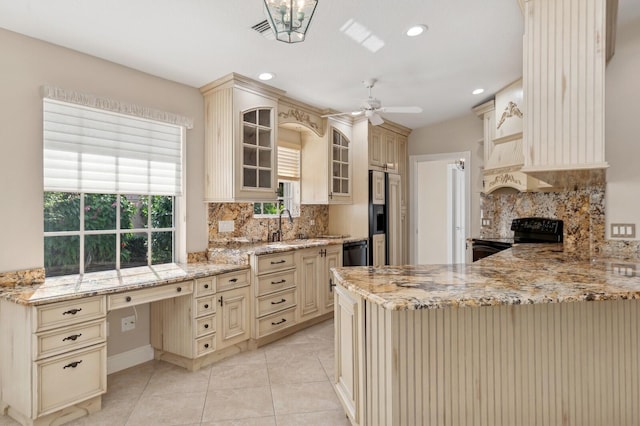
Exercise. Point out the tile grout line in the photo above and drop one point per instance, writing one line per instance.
(128, 417)
(206, 394)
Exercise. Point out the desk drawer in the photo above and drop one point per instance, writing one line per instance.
(205, 345)
(205, 306)
(275, 262)
(275, 322)
(276, 282)
(205, 325)
(65, 380)
(205, 286)
(275, 302)
(70, 338)
(68, 313)
(138, 297)
(233, 280)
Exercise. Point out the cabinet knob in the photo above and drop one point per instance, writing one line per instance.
(206, 286)
(72, 311)
(206, 326)
(206, 345)
(128, 299)
(206, 306)
(179, 289)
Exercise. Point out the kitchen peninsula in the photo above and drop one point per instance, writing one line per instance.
(534, 335)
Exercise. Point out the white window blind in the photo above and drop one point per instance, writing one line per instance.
(288, 163)
(92, 150)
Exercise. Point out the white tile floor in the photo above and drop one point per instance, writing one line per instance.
(288, 382)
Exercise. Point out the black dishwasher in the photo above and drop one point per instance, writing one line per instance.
(354, 253)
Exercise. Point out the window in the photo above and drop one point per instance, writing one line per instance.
(113, 187)
(288, 186)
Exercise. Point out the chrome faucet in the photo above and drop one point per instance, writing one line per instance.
(277, 236)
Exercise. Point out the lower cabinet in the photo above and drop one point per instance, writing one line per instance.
(54, 359)
(315, 291)
(233, 317)
(379, 247)
(348, 353)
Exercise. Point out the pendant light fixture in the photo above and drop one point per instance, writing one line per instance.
(290, 19)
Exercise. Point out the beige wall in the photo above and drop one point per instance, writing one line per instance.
(26, 65)
(623, 129)
(456, 135)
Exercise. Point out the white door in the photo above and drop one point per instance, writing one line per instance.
(439, 206)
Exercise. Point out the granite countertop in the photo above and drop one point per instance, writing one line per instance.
(523, 274)
(70, 287)
(239, 252)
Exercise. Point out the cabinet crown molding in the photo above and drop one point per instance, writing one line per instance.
(238, 80)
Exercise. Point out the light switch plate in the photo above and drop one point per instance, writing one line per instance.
(225, 226)
(624, 269)
(486, 222)
(623, 230)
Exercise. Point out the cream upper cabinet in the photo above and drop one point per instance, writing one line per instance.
(377, 152)
(385, 148)
(331, 184)
(564, 71)
(240, 140)
(377, 188)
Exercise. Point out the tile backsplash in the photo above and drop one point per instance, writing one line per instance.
(582, 211)
(248, 228)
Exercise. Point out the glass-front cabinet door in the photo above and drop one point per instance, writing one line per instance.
(257, 149)
(340, 185)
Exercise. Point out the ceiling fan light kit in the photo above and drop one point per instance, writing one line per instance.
(289, 19)
(372, 106)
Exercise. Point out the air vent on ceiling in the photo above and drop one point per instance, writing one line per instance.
(264, 28)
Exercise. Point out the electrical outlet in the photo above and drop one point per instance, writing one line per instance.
(486, 222)
(623, 230)
(128, 323)
(624, 269)
(225, 226)
(312, 222)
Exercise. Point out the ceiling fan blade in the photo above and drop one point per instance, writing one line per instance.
(374, 118)
(402, 109)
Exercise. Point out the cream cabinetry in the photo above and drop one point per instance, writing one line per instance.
(348, 354)
(395, 221)
(240, 140)
(377, 188)
(379, 248)
(47, 346)
(274, 293)
(234, 320)
(315, 287)
(564, 85)
(383, 149)
(331, 184)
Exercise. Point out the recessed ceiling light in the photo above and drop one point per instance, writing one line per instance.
(416, 30)
(477, 91)
(266, 76)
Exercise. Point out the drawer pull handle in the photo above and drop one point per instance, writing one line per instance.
(179, 289)
(72, 337)
(277, 303)
(206, 286)
(73, 364)
(128, 299)
(221, 301)
(206, 306)
(72, 311)
(282, 321)
(206, 346)
(206, 326)
(233, 280)
(278, 262)
(278, 282)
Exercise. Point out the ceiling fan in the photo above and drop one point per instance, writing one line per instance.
(371, 106)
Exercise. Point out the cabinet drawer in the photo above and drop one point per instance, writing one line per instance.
(71, 378)
(205, 345)
(70, 338)
(233, 280)
(205, 286)
(276, 302)
(275, 262)
(205, 325)
(71, 312)
(205, 306)
(275, 322)
(138, 297)
(276, 282)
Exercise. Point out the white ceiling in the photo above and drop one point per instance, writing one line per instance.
(469, 44)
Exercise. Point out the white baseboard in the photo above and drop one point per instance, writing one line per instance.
(128, 359)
